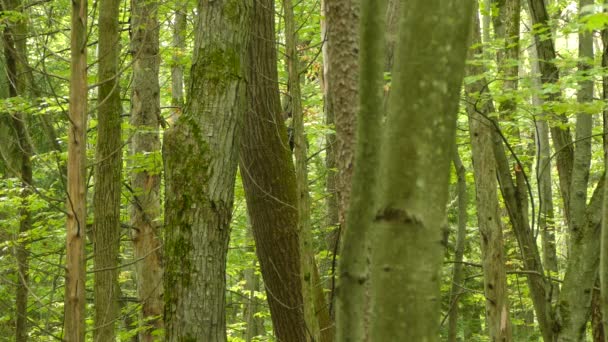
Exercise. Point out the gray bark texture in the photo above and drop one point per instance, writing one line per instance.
(342, 19)
(201, 153)
(352, 302)
(414, 169)
(145, 178)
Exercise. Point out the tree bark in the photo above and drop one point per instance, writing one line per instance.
(562, 140)
(352, 302)
(457, 289)
(269, 181)
(574, 303)
(200, 153)
(145, 178)
(488, 214)
(108, 180)
(603, 271)
(74, 327)
(575, 298)
(342, 18)
(177, 68)
(410, 217)
(307, 259)
(255, 324)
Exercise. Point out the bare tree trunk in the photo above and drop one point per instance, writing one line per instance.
(200, 153)
(342, 19)
(457, 289)
(255, 324)
(414, 169)
(270, 183)
(481, 131)
(301, 156)
(74, 329)
(145, 148)
(603, 268)
(108, 180)
(352, 302)
(177, 68)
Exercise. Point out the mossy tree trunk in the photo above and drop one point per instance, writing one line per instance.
(414, 169)
(145, 151)
(108, 180)
(200, 154)
(74, 327)
(269, 181)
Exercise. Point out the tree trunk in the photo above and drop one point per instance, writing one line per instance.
(410, 218)
(255, 324)
(15, 35)
(342, 19)
(200, 154)
(331, 160)
(352, 302)
(74, 327)
(488, 214)
(145, 178)
(270, 183)
(177, 68)
(546, 221)
(301, 156)
(562, 140)
(603, 271)
(575, 298)
(597, 326)
(457, 289)
(108, 180)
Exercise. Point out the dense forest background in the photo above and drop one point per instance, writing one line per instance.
(313, 170)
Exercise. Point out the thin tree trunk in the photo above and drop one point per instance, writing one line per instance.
(342, 19)
(488, 214)
(597, 327)
(200, 153)
(177, 68)
(562, 140)
(331, 160)
(352, 302)
(14, 43)
(457, 289)
(270, 183)
(145, 148)
(575, 298)
(603, 271)
(74, 327)
(414, 167)
(108, 180)
(255, 324)
(546, 222)
(301, 156)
